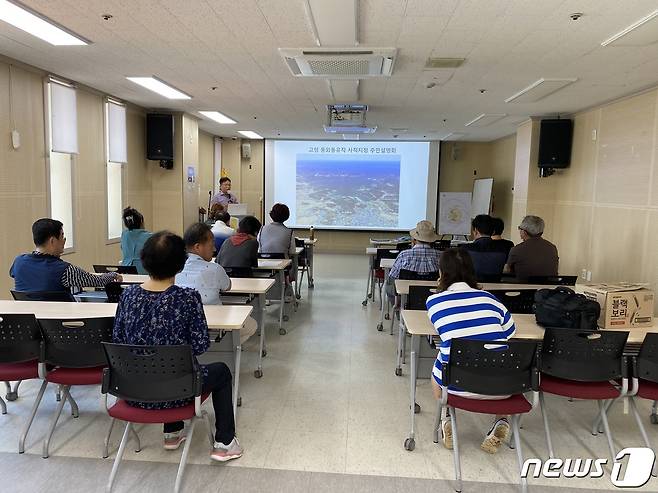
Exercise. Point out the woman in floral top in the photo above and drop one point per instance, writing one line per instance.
(161, 313)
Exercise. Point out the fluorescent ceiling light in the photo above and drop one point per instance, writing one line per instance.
(485, 119)
(540, 89)
(249, 134)
(454, 136)
(156, 85)
(37, 25)
(630, 28)
(218, 117)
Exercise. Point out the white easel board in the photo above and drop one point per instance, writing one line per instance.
(482, 191)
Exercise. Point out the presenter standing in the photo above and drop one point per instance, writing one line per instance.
(224, 197)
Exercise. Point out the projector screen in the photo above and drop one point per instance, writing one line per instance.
(358, 185)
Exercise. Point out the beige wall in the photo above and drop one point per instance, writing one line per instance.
(191, 190)
(23, 178)
(602, 211)
(206, 165)
(501, 155)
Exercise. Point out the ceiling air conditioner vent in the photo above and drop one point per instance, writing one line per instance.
(344, 63)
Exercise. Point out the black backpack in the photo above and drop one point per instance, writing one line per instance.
(563, 308)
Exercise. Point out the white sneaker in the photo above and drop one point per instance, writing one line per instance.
(223, 453)
(174, 440)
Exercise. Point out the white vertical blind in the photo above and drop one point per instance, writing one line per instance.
(114, 200)
(61, 193)
(116, 133)
(63, 119)
(217, 164)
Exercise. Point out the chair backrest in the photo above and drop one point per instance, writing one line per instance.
(488, 265)
(551, 280)
(493, 368)
(402, 246)
(151, 373)
(113, 291)
(120, 269)
(219, 241)
(239, 271)
(75, 343)
(441, 244)
(417, 298)
(411, 275)
(384, 253)
(42, 295)
(516, 301)
(20, 338)
(275, 256)
(583, 355)
(647, 360)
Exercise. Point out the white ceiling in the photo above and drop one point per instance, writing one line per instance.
(232, 44)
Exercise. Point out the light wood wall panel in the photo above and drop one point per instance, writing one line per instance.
(502, 155)
(206, 165)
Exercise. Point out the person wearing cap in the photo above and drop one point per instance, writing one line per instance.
(534, 256)
(421, 257)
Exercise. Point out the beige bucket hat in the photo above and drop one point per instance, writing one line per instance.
(424, 231)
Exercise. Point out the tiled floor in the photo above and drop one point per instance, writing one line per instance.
(329, 402)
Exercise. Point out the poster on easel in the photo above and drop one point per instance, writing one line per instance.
(454, 213)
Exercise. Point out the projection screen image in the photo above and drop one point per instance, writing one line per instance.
(359, 185)
(351, 192)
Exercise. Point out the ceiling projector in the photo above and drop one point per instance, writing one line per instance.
(348, 118)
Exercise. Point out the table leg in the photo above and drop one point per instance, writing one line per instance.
(295, 269)
(380, 326)
(237, 348)
(401, 334)
(410, 443)
(309, 259)
(282, 280)
(368, 283)
(261, 326)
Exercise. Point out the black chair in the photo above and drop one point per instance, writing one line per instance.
(114, 291)
(42, 295)
(645, 381)
(516, 301)
(411, 275)
(20, 342)
(239, 271)
(417, 298)
(272, 256)
(551, 280)
(441, 244)
(580, 364)
(403, 246)
(489, 368)
(152, 374)
(72, 349)
(382, 253)
(119, 269)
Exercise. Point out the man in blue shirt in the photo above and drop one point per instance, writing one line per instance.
(44, 270)
(205, 276)
(420, 258)
(224, 197)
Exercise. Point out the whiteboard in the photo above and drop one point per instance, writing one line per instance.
(482, 190)
(454, 213)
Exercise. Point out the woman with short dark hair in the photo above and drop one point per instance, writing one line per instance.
(276, 237)
(241, 250)
(158, 312)
(133, 238)
(462, 309)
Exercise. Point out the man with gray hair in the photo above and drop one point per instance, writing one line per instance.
(534, 256)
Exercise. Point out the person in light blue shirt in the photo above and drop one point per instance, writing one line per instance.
(208, 278)
(133, 239)
(199, 273)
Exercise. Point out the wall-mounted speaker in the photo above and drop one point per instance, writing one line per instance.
(246, 151)
(159, 137)
(555, 138)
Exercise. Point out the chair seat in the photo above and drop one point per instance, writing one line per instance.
(76, 376)
(516, 404)
(578, 390)
(19, 371)
(648, 390)
(125, 412)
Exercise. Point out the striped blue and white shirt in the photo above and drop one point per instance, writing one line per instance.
(461, 311)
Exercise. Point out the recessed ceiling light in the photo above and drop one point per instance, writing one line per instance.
(485, 119)
(218, 117)
(249, 134)
(162, 88)
(37, 25)
(630, 28)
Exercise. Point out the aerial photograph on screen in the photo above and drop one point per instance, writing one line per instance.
(362, 191)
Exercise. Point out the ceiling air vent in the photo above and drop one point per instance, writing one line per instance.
(340, 63)
(432, 63)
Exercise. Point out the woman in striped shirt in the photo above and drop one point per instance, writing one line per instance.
(461, 309)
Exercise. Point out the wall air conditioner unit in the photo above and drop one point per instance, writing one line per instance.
(340, 63)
